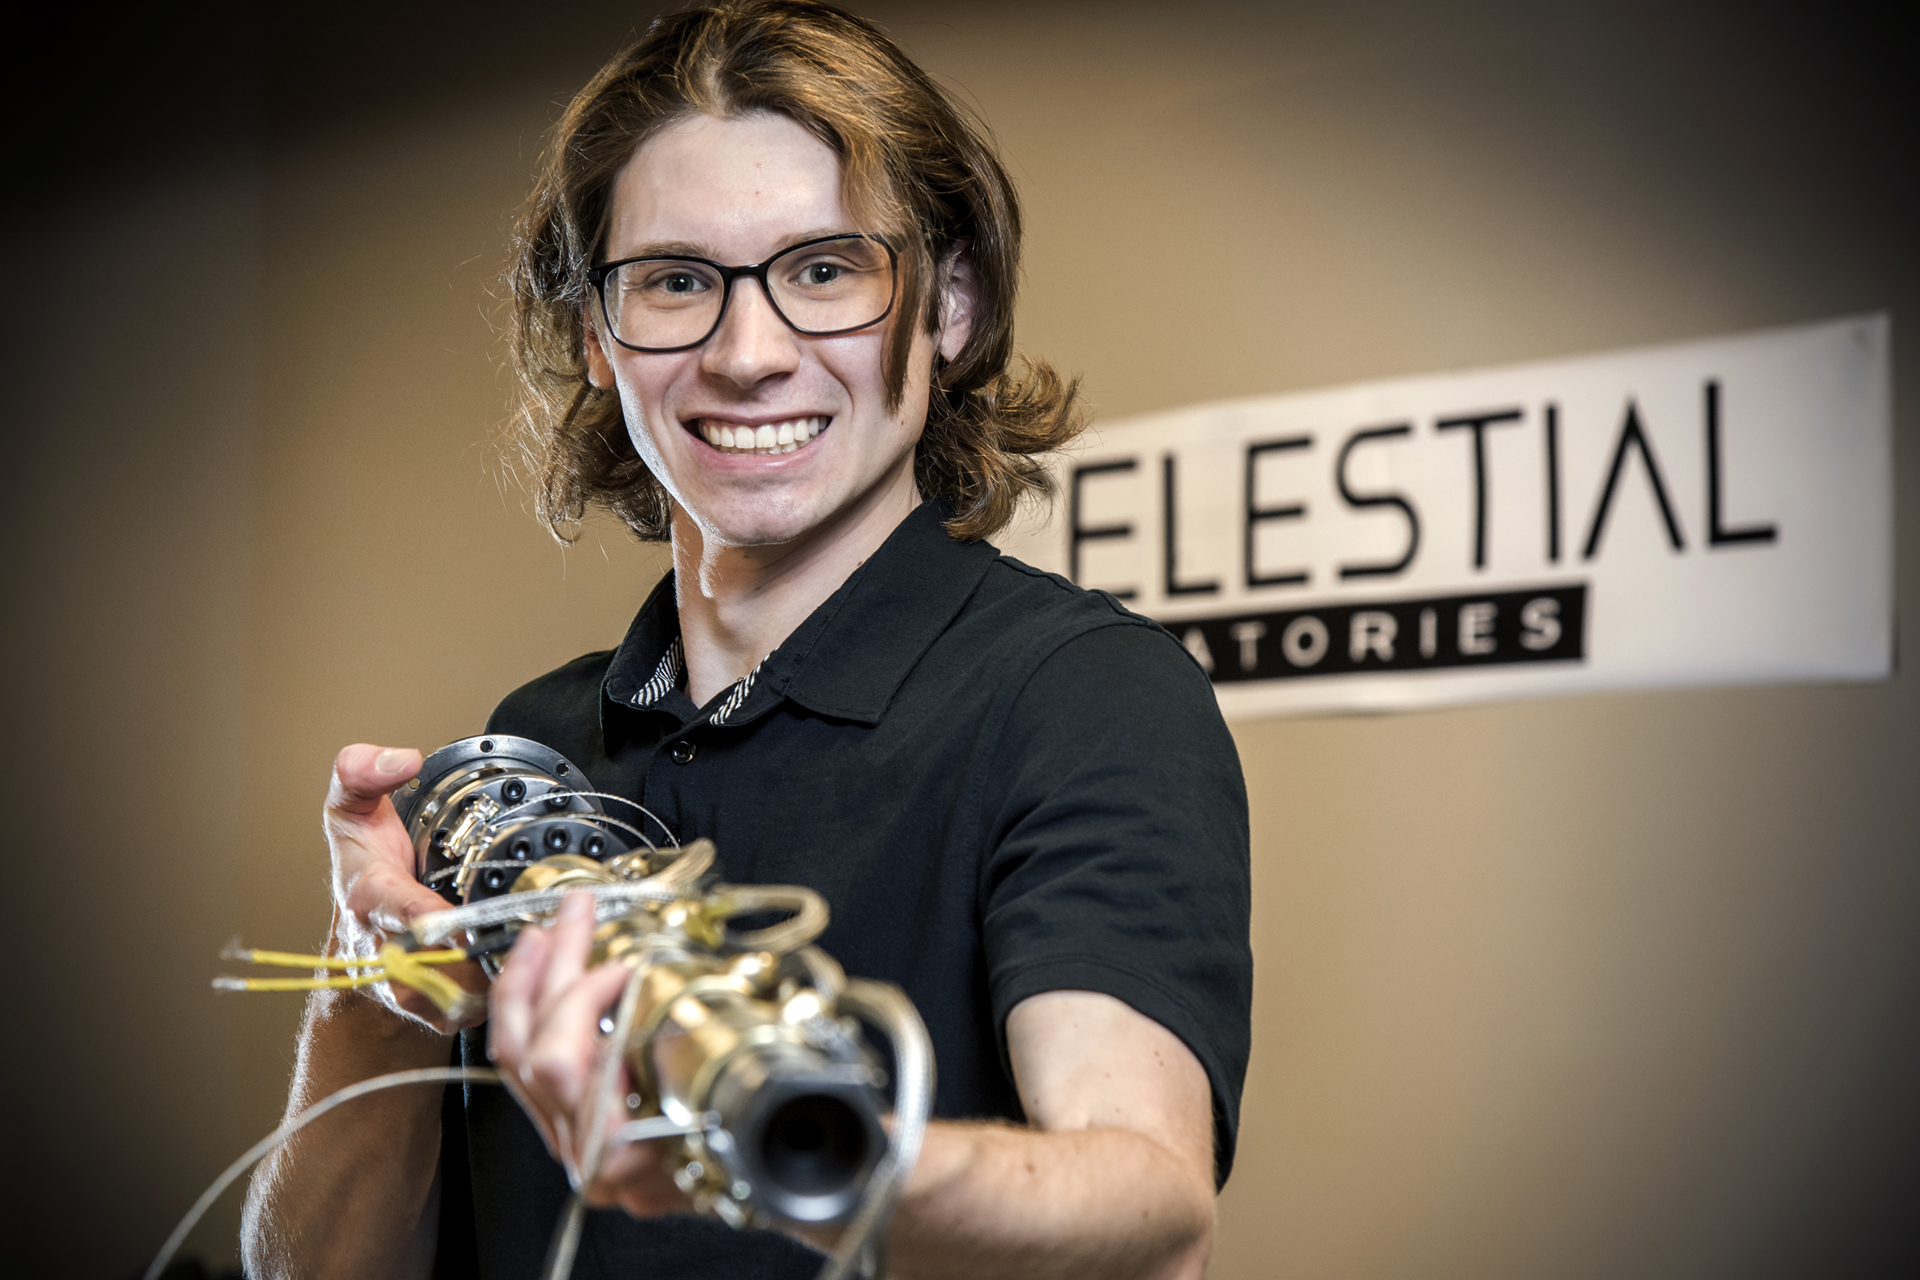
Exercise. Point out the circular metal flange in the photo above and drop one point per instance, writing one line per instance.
(477, 755)
(467, 789)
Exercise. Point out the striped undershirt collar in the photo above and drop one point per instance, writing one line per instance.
(737, 695)
(667, 676)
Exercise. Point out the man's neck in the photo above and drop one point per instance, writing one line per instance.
(737, 604)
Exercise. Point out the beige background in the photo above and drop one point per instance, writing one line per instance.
(1616, 985)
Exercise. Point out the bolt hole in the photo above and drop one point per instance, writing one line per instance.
(486, 744)
(522, 848)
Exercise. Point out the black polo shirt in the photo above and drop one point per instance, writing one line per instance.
(1002, 785)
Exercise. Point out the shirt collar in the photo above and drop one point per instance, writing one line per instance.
(649, 661)
(852, 654)
(847, 659)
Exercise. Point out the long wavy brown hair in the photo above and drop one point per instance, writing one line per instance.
(913, 166)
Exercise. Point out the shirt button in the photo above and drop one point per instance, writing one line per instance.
(682, 751)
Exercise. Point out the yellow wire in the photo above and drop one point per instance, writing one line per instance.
(405, 966)
(298, 960)
(306, 984)
(395, 964)
(293, 959)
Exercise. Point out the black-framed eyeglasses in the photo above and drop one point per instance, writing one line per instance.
(821, 288)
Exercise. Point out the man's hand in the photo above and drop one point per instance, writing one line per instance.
(375, 894)
(546, 1006)
(357, 1195)
(1113, 1178)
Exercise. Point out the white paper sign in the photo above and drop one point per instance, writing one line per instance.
(1705, 513)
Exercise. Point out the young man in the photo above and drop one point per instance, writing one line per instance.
(763, 299)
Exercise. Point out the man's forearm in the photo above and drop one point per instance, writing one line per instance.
(354, 1193)
(1014, 1202)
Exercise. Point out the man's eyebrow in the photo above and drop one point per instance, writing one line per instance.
(688, 249)
(667, 249)
(818, 233)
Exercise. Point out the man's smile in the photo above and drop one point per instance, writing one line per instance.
(764, 438)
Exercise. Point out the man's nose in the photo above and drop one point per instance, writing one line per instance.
(752, 343)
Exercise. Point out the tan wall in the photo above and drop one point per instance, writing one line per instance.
(1578, 987)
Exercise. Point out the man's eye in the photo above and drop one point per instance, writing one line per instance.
(671, 283)
(820, 273)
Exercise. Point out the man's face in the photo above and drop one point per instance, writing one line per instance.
(738, 192)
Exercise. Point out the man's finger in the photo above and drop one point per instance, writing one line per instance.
(511, 1001)
(468, 975)
(572, 938)
(575, 1017)
(532, 1107)
(364, 774)
(561, 1057)
(389, 899)
(637, 1178)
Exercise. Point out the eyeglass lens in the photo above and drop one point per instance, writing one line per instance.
(829, 286)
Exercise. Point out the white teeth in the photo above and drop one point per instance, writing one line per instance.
(768, 438)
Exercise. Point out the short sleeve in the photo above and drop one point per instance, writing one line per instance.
(1118, 863)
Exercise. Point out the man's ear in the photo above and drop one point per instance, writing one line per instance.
(959, 298)
(599, 368)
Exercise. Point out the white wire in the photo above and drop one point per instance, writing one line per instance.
(566, 1240)
(660, 1127)
(607, 1078)
(566, 1233)
(591, 815)
(255, 1153)
(889, 1009)
(862, 1245)
(864, 1240)
(610, 900)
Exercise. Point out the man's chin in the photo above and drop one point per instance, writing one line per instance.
(763, 528)
(790, 516)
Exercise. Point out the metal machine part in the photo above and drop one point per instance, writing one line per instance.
(742, 1028)
(484, 809)
(738, 1036)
